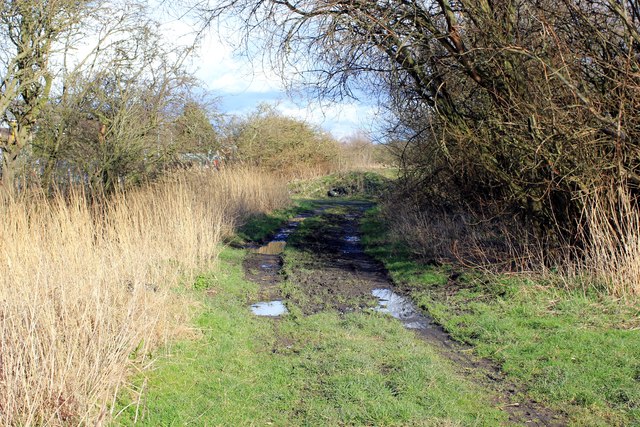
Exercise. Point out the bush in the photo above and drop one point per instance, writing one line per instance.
(283, 145)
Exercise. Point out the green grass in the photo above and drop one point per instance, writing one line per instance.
(325, 369)
(574, 351)
(260, 227)
(355, 184)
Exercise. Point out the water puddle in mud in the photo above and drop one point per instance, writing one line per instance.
(269, 266)
(272, 248)
(401, 308)
(269, 309)
(284, 233)
(277, 244)
(269, 262)
(351, 245)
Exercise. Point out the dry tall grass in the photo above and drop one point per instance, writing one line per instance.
(435, 235)
(608, 261)
(83, 289)
(611, 258)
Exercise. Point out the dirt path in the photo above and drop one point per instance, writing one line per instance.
(332, 272)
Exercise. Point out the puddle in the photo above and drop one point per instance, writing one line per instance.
(351, 245)
(270, 309)
(284, 234)
(279, 241)
(401, 308)
(286, 231)
(272, 248)
(268, 266)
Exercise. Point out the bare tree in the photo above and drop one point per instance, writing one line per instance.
(111, 115)
(29, 30)
(523, 104)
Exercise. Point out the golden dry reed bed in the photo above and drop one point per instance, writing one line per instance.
(612, 255)
(83, 289)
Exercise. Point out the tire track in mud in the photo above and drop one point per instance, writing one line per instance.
(333, 272)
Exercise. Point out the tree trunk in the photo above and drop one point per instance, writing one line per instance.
(8, 172)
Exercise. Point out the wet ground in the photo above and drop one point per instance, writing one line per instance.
(269, 308)
(329, 270)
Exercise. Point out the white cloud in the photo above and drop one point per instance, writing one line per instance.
(225, 72)
(242, 85)
(341, 119)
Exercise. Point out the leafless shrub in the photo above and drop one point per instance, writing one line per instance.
(358, 151)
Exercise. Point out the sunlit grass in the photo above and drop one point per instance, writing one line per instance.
(325, 369)
(575, 351)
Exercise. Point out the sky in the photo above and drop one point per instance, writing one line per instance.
(241, 86)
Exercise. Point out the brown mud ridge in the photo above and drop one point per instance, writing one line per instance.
(332, 272)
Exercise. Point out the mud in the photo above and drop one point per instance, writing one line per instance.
(329, 267)
(331, 271)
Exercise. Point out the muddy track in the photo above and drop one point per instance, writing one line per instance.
(332, 272)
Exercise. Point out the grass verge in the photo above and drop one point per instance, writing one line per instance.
(575, 351)
(360, 184)
(360, 368)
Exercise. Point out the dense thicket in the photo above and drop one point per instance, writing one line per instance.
(268, 140)
(516, 106)
(93, 94)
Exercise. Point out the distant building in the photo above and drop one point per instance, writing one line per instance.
(204, 160)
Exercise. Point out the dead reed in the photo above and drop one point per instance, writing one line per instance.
(607, 259)
(86, 291)
(611, 259)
